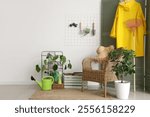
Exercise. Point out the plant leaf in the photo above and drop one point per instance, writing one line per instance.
(55, 57)
(69, 65)
(65, 67)
(43, 68)
(45, 62)
(37, 68)
(55, 67)
(62, 59)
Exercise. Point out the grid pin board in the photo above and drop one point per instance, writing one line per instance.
(82, 30)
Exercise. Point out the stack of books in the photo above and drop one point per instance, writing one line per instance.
(73, 80)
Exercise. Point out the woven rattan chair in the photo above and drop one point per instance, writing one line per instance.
(103, 75)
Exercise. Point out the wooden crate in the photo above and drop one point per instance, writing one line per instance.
(58, 86)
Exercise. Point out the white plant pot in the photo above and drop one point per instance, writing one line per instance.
(122, 89)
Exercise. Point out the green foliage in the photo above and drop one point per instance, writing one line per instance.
(37, 68)
(69, 65)
(86, 31)
(57, 60)
(124, 62)
(62, 59)
(54, 61)
(55, 67)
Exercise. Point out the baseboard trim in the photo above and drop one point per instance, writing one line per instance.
(17, 83)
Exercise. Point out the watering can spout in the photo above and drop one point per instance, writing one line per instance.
(38, 82)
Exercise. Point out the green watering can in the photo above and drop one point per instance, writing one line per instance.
(46, 83)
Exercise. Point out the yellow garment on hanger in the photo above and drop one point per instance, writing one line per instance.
(124, 35)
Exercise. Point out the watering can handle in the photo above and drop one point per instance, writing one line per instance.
(52, 79)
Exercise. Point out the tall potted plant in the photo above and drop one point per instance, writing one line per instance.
(123, 66)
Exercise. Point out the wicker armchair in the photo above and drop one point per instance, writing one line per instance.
(103, 75)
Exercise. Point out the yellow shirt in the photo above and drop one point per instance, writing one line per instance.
(125, 36)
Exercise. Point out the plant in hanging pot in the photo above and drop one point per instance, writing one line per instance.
(123, 67)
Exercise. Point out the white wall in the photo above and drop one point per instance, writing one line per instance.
(28, 27)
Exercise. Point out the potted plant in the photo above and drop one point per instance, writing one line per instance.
(51, 66)
(123, 66)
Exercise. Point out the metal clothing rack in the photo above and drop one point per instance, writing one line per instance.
(145, 42)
